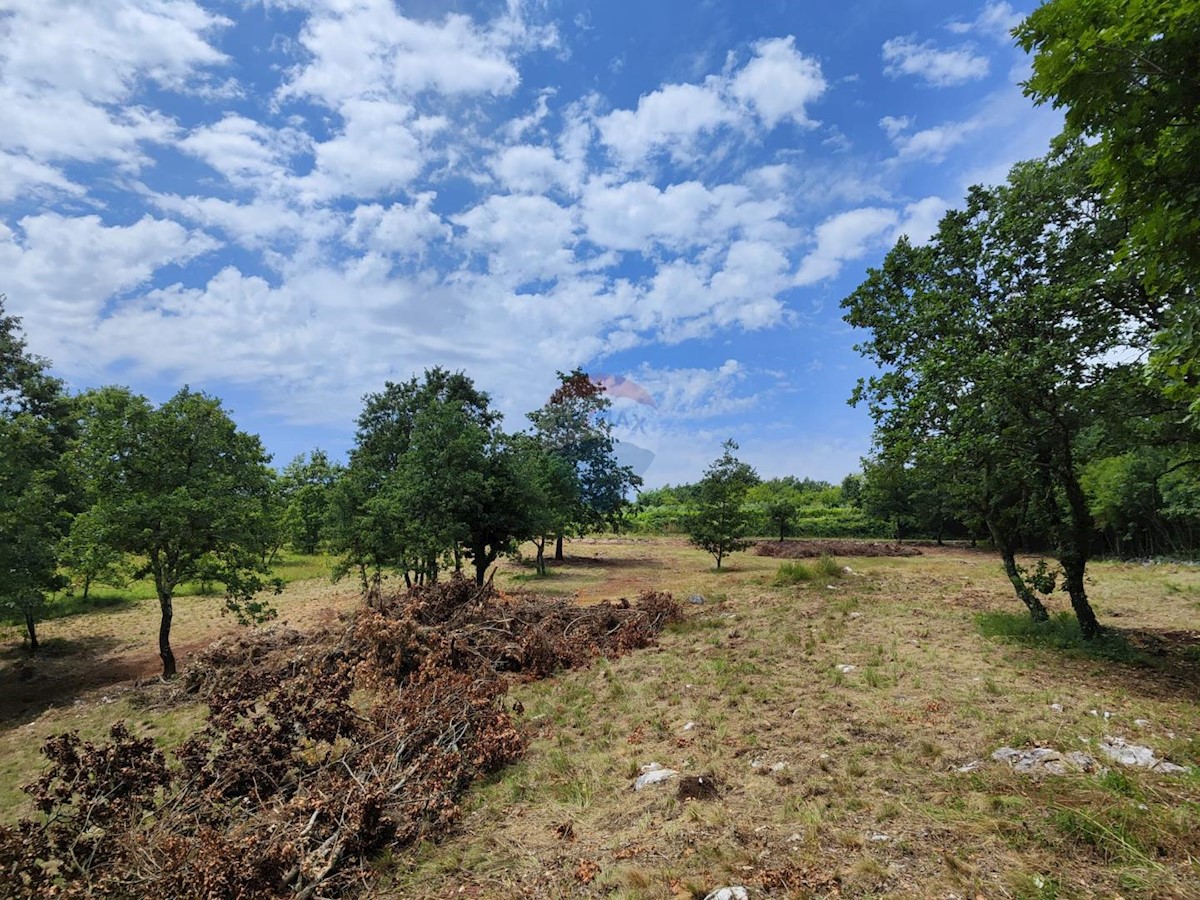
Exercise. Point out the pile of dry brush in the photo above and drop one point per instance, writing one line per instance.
(318, 750)
(811, 548)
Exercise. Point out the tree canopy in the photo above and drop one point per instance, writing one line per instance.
(1127, 74)
(721, 521)
(996, 343)
(36, 491)
(185, 491)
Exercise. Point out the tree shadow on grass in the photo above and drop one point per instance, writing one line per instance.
(1156, 663)
(61, 670)
(605, 562)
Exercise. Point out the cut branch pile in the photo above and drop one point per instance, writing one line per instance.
(806, 549)
(318, 750)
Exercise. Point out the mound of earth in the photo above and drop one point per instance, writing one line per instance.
(804, 549)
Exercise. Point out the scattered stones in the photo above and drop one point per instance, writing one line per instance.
(1121, 751)
(736, 892)
(689, 726)
(653, 773)
(856, 615)
(696, 598)
(969, 767)
(1057, 707)
(1046, 761)
(1142, 723)
(846, 669)
(880, 838)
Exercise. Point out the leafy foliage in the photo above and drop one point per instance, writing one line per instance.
(1126, 74)
(721, 521)
(996, 343)
(182, 489)
(36, 492)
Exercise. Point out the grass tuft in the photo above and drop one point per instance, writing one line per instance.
(793, 573)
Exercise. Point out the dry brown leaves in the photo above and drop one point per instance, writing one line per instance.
(807, 549)
(296, 780)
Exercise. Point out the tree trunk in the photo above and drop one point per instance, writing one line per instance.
(164, 635)
(782, 531)
(87, 586)
(558, 551)
(1073, 569)
(1074, 558)
(1037, 611)
(31, 627)
(481, 566)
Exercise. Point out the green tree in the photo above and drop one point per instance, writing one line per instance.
(554, 492)
(1127, 73)
(186, 492)
(306, 482)
(572, 426)
(403, 501)
(780, 513)
(995, 343)
(90, 557)
(36, 491)
(721, 521)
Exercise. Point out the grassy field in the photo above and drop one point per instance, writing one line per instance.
(814, 778)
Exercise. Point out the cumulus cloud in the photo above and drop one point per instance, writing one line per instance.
(66, 269)
(846, 236)
(68, 70)
(777, 83)
(938, 68)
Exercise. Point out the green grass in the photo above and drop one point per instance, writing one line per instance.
(793, 573)
(1061, 632)
(104, 598)
(828, 567)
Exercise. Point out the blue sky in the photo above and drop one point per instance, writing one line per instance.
(288, 202)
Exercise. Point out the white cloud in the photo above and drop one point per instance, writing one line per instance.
(939, 68)
(934, 144)
(244, 151)
(996, 20)
(66, 269)
(259, 224)
(689, 394)
(846, 236)
(399, 229)
(382, 147)
(367, 48)
(20, 175)
(894, 126)
(779, 82)
(672, 117)
(920, 219)
(638, 216)
(69, 69)
(522, 237)
(528, 169)
(100, 51)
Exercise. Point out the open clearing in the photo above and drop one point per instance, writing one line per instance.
(799, 776)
